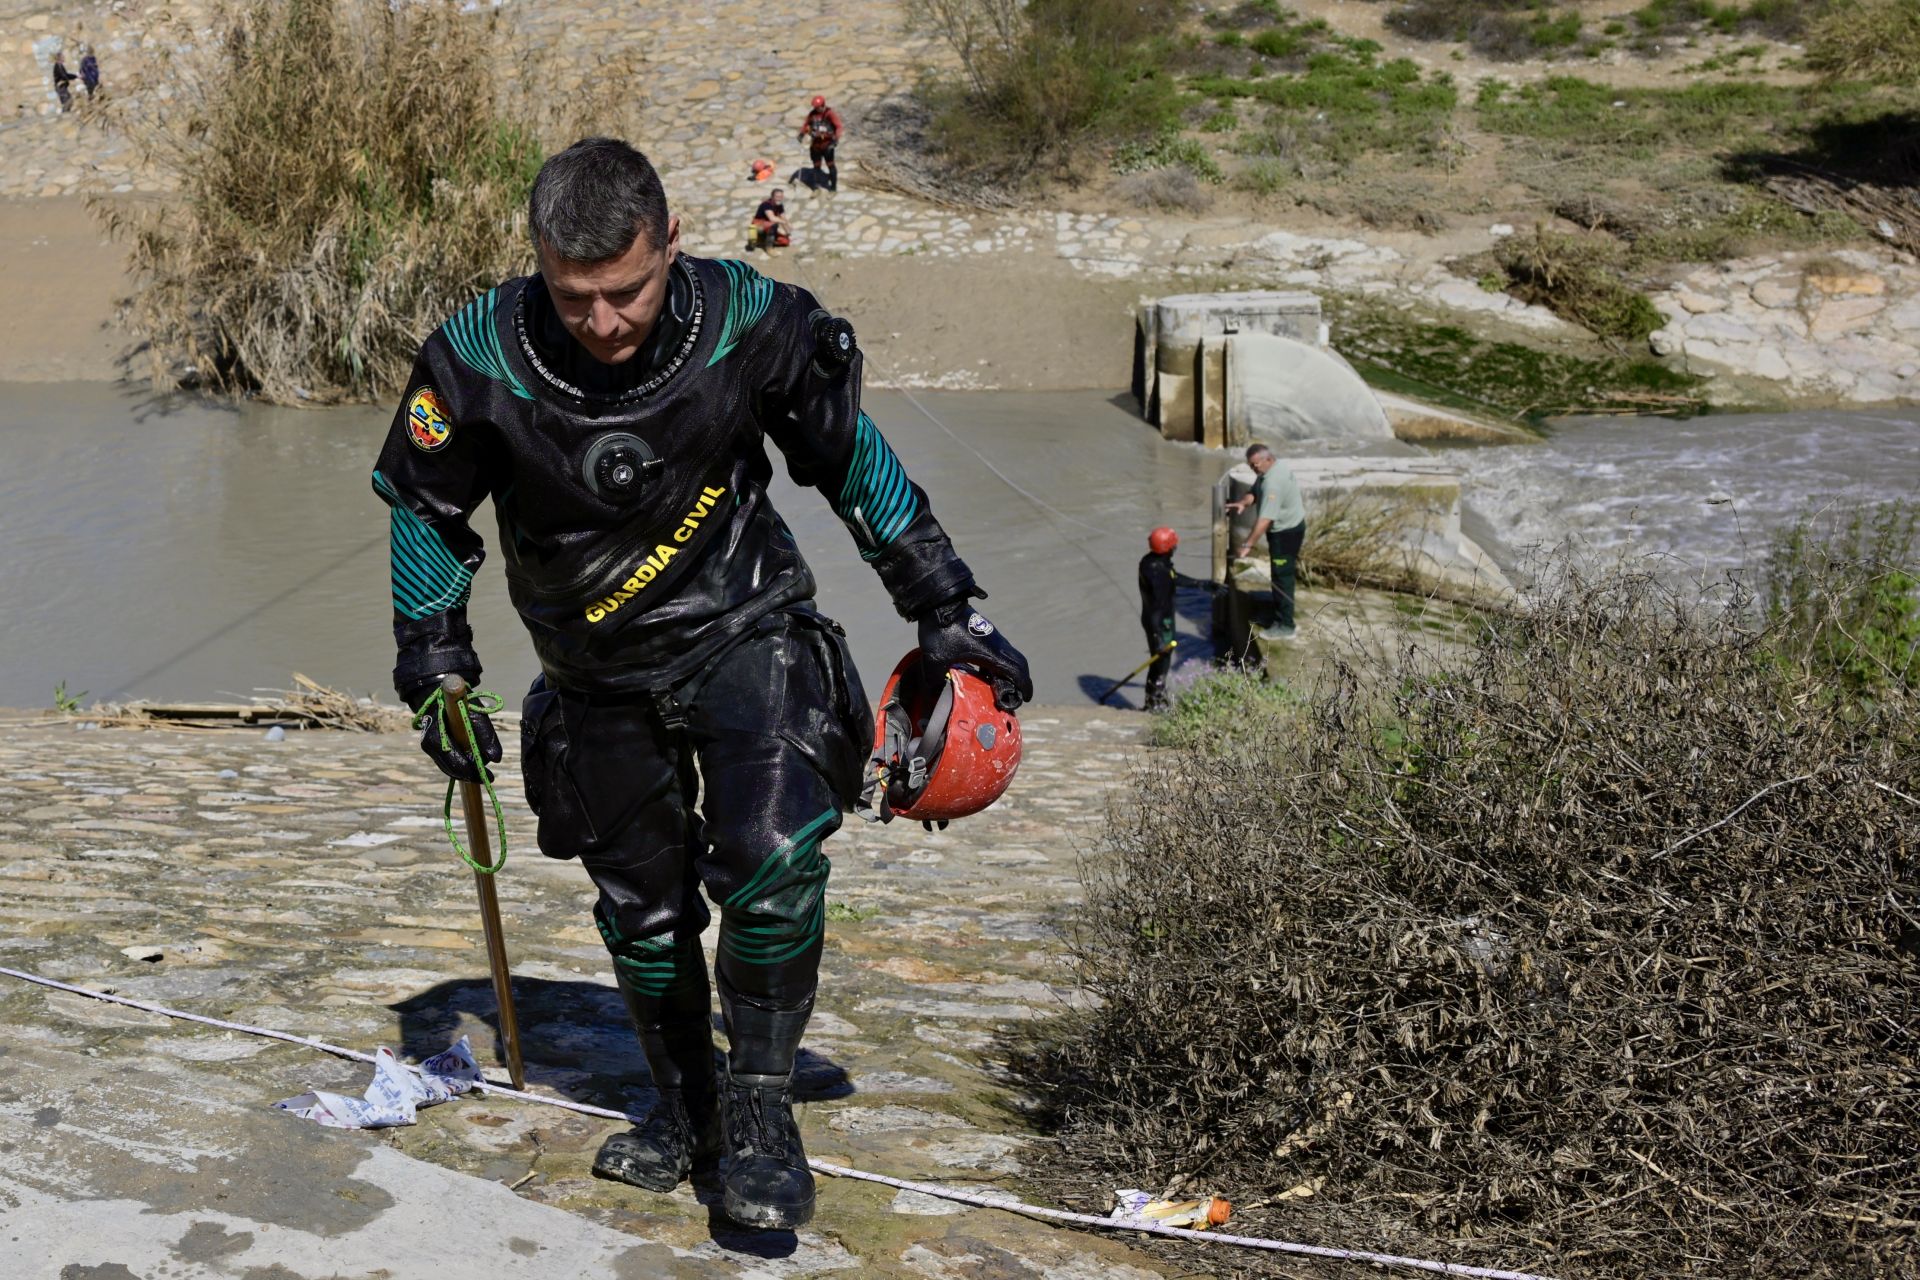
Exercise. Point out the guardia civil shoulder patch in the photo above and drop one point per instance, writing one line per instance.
(428, 425)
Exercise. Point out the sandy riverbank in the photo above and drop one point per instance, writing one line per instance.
(63, 280)
(1025, 322)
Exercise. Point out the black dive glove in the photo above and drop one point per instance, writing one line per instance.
(439, 739)
(956, 634)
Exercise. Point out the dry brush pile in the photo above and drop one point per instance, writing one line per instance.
(1593, 954)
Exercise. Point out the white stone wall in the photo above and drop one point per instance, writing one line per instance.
(1843, 324)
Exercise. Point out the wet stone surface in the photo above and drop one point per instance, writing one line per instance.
(306, 885)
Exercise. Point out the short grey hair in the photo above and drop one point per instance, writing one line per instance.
(1255, 449)
(593, 200)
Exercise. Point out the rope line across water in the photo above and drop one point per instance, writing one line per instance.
(841, 1171)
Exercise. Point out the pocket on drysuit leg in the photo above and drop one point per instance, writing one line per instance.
(842, 738)
(565, 830)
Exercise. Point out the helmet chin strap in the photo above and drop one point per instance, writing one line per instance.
(923, 753)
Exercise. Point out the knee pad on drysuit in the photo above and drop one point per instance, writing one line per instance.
(778, 917)
(653, 968)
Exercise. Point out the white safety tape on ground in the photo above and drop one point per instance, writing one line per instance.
(834, 1170)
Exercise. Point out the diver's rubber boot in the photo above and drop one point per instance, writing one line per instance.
(768, 1184)
(678, 1137)
(682, 1133)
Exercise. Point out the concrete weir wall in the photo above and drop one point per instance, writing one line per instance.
(1180, 355)
(1225, 369)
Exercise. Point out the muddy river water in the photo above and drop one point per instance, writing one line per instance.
(171, 548)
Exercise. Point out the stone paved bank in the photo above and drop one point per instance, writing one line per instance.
(1844, 324)
(306, 885)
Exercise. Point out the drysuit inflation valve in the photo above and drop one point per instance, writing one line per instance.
(618, 466)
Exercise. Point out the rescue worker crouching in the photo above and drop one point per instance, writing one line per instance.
(698, 724)
(770, 226)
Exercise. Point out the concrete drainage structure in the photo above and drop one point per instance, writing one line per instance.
(1222, 369)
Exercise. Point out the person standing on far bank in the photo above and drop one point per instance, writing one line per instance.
(89, 72)
(63, 82)
(1283, 519)
(698, 723)
(821, 133)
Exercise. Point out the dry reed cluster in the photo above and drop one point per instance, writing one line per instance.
(350, 174)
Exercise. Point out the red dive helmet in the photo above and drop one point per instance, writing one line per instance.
(1162, 540)
(941, 748)
(819, 101)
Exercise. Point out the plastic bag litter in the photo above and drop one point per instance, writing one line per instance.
(1194, 1215)
(396, 1093)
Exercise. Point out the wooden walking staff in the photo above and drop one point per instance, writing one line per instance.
(473, 803)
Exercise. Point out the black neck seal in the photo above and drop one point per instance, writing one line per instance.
(567, 366)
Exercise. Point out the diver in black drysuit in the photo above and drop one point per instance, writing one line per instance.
(673, 618)
(1158, 620)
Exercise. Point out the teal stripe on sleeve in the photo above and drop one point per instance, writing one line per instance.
(427, 577)
(876, 499)
(749, 294)
(475, 339)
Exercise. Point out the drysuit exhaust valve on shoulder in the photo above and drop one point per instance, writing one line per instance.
(618, 466)
(833, 342)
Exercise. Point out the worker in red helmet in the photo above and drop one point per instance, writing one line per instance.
(1156, 610)
(822, 133)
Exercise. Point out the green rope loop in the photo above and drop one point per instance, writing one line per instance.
(486, 702)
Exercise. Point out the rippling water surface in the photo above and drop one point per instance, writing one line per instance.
(174, 549)
(1708, 490)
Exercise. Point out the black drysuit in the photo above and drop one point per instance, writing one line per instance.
(669, 606)
(1157, 619)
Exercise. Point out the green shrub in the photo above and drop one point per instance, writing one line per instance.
(1578, 278)
(1754, 224)
(1569, 109)
(1780, 19)
(1509, 29)
(1167, 151)
(1278, 42)
(1868, 40)
(1345, 104)
(1038, 79)
(350, 174)
(1264, 177)
(1843, 594)
(1222, 121)
(1555, 32)
(1222, 707)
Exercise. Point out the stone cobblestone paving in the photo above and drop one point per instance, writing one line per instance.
(306, 885)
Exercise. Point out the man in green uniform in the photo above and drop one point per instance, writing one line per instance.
(1282, 517)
